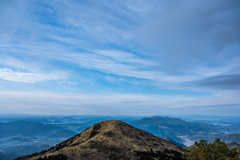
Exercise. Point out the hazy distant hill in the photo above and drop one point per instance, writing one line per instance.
(16, 151)
(36, 120)
(6, 156)
(26, 128)
(231, 138)
(234, 128)
(175, 128)
(233, 145)
(26, 149)
(112, 139)
(27, 137)
(62, 134)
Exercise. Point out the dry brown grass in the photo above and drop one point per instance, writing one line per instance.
(108, 138)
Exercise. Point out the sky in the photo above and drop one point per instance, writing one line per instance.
(112, 57)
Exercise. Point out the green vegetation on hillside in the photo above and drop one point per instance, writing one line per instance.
(217, 150)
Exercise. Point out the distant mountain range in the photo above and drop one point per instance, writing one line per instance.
(183, 131)
(62, 134)
(27, 135)
(26, 128)
(231, 138)
(6, 156)
(26, 149)
(112, 140)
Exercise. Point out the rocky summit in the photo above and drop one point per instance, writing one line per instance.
(111, 140)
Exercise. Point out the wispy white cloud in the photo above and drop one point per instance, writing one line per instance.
(217, 99)
(108, 62)
(80, 27)
(12, 62)
(126, 57)
(9, 75)
(158, 44)
(66, 82)
(116, 62)
(113, 104)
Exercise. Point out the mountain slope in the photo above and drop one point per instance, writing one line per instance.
(112, 139)
(177, 144)
(175, 128)
(233, 145)
(231, 138)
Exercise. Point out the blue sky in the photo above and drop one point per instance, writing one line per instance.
(120, 57)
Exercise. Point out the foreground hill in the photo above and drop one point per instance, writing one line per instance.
(111, 140)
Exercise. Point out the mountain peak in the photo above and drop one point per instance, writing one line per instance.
(112, 137)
